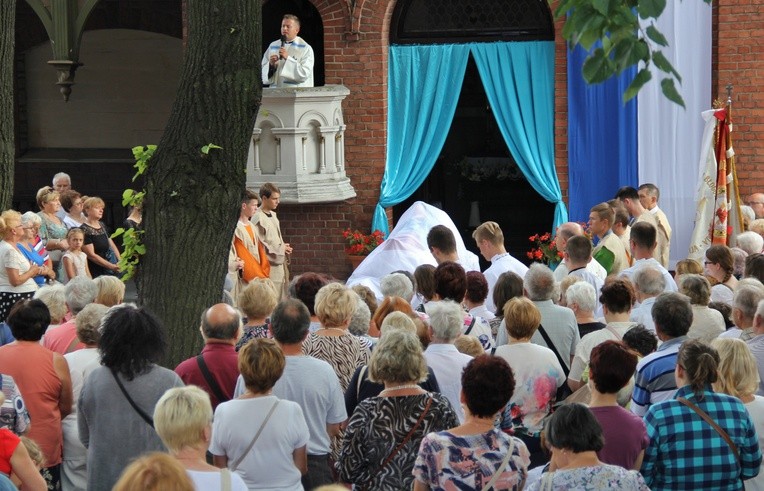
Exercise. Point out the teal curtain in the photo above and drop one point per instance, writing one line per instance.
(424, 83)
(519, 81)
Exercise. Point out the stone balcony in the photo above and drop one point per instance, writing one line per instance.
(298, 143)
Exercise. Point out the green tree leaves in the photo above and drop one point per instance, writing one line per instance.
(623, 42)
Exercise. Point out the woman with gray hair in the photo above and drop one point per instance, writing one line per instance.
(74, 473)
(581, 298)
(707, 323)
(32, 248)
(54, 297)
(384, 433)
(361, 388)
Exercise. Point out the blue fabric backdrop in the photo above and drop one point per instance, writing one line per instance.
(424, 83)
(602, 138)
(519, 81)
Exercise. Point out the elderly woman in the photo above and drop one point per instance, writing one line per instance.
(581, 298)
(335, 304)
(74, 472)
(451, 284)
(183, 418)
(475, 454)
(128, 383)
(397, 285)
(42, 377)
(617, 296)
(719, 269)
(305, 288)
(52, 230)
(611, 368)
(102, 253)
(111, 291)
(28, 245)
(257, 300)
(361, 388)
(16, 272)
(575, 437)
(71, 202)
(686, 452)
(384, 433)
(537, 372)
(54, 297)
(707, 323)
(359, 323)
(508, 286)
(259, 436)
(738, 377)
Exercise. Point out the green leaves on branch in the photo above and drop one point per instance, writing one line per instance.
(142, 156)
(206, 149)
(623, 43)
(131, 237)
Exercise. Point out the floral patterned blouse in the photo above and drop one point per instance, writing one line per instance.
(252, 332)
(450, 462)
(597, 477)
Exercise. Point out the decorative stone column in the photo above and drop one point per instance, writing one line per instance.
(298, 144)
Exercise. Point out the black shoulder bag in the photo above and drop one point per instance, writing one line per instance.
(211, 382)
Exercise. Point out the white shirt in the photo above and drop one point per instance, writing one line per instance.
(212, 481)
(643, 313)
(756, 412)
(447, 363)
(591, 341)
(270, 464)
(483, 312)
(501, 263)
(561, 271)
(651, 262)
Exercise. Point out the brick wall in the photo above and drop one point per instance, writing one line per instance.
(738, 49)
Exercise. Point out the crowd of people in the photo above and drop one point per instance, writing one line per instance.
(608, 371)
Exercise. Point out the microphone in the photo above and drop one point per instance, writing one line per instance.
(283, 40)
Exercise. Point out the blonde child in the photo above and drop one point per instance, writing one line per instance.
(75, 261)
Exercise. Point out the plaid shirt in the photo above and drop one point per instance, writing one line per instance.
(685, 452)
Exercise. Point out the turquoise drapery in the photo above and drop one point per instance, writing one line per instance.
(424, 83)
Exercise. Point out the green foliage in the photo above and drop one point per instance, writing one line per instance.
(131, 238)
(623, 42)
(206, 149)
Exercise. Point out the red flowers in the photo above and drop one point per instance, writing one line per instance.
(360, 244)
(544, 250)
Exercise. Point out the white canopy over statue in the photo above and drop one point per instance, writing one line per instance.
(406, 247)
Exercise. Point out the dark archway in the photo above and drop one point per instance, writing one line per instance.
(475, 178)
(311, 29)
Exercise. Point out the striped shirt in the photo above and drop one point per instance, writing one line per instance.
(654, 380)
(685, 452)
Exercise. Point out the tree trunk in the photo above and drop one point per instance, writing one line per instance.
(7, 137)
(192, 199)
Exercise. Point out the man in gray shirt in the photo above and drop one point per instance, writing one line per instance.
(311, 383)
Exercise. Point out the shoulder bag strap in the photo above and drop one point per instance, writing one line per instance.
(614, 332)
(547, 481)
(73, 344)
(503, 465)
(402, 444)
(552, 347)
(211, 382)
(138, 410)
(713, 424)
(472, 324)
(257, 435)
(225, 480)
(358, 385)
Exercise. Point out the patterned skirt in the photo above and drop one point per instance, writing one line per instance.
(8, 300)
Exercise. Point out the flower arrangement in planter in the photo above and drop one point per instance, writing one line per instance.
(360, 244)
(544, 249)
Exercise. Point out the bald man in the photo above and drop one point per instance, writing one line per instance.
(216, 369)
(756, 201)
(564, 233)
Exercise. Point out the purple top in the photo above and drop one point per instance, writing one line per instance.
(625, 435)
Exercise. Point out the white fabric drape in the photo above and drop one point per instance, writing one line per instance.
(670, 136)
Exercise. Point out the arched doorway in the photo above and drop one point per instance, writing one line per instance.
(475, 178)
(311, 29)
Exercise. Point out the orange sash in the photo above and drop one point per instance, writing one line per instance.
(252, 267)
